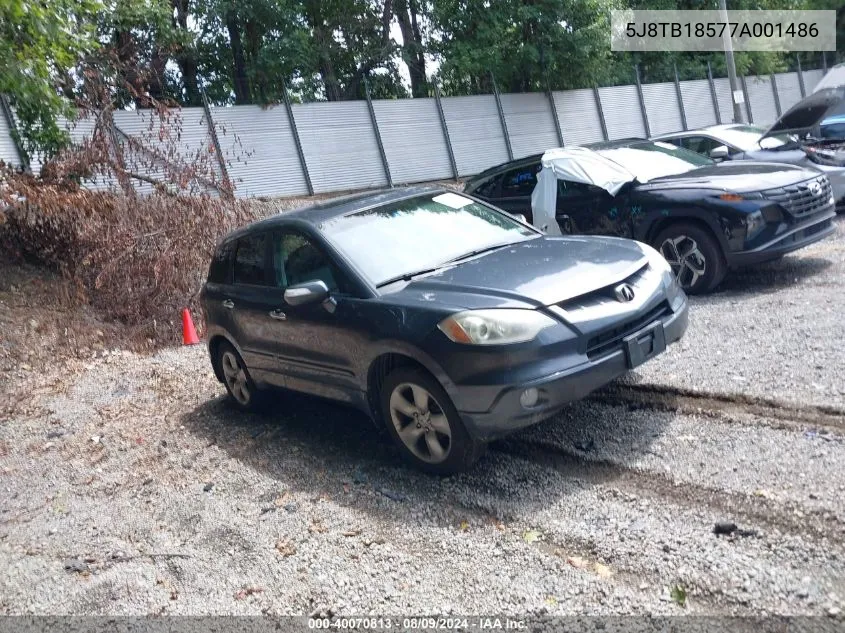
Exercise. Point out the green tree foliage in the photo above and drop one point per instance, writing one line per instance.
(252, 51)
(40, 45)
(525, 44)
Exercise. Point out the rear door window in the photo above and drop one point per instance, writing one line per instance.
(700, 144)
(250, 260)
(220, 271)
(520, 182)
(674, 141)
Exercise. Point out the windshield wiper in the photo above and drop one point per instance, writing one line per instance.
(479, 251)
(407, 276)
(417, 273)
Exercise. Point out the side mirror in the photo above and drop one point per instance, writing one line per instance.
(520, 217)
(719, 153)
(308, 292)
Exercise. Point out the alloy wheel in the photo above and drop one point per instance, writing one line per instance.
(685, 258)
(421, 423)
(235, 377)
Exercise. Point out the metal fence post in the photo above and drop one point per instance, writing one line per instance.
(642, 100)
(747, 100)
(213, 131)
(550, 96)
(775, 93)
(680, 98)
(601, 113)
(446, 136)
(801, 78)
(297, 141)
(713, 94)
(502, 117)
(378, 134)
(13, 132)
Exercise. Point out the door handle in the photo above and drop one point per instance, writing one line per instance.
(228, 304)
(278, 315)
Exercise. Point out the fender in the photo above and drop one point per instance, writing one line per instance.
(644, 224)
(393, 346)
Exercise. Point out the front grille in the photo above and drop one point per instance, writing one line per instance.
(605, 294)
(611, 340)
(798, 199)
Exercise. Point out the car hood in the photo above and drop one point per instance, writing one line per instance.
(540, 271)
(808, 113)
(735, 176)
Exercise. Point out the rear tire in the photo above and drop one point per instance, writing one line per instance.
(242, 390)
(424, 423)
(694, 255)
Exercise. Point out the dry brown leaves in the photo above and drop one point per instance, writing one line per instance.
(138, 260)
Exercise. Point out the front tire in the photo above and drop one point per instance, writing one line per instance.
(424, 423)
(694, 255)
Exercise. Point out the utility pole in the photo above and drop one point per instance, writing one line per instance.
(729, 59)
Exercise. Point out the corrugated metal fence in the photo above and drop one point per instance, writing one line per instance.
(297, 149)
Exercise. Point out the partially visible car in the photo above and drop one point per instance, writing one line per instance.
(810, 134)
(442, 317)
(834, 78)
(705, 217)
(833, 128)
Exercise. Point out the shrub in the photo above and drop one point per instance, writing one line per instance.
(138, 260)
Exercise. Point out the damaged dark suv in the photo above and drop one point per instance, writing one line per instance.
(447, 320)
(704, 217)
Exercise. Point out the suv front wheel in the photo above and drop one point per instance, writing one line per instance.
(694, 255)
(424, 423)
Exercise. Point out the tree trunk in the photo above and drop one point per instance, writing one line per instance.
(353, 88)
(253, 40)
(240, 78)
(155, 78)
(413, 53)
(186, 57)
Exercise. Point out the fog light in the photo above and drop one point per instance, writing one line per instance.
(529, 397)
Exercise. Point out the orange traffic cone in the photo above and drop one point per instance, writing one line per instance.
(189, 334)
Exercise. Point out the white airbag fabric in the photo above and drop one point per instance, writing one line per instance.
(576, 164)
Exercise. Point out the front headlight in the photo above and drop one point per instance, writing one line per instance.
(754, 223)
(495, 327)
(667, 276)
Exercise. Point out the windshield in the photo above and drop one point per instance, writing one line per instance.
(647, 161)
(746, 137)
(420, 233)
(833, 128)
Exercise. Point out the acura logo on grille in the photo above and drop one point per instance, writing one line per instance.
(815, 187)
(624, 292)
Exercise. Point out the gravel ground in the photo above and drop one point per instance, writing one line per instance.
(130, 486)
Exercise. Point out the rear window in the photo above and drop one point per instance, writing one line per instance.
(250, 259)
(221, 265)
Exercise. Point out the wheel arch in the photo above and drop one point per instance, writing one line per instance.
(388, 360)
(214, 341)
(702, 220)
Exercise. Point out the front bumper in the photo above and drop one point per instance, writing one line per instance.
(803, 234)
(507, 414)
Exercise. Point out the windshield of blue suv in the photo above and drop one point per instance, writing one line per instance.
(420, 233)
